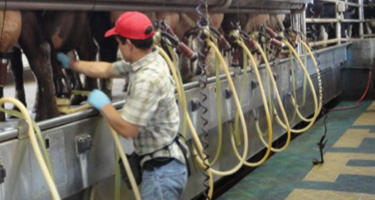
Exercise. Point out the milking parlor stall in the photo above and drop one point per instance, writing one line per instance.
(250, 76)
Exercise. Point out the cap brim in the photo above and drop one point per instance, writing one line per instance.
(110, 32)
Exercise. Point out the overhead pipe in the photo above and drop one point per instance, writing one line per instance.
(126, 6)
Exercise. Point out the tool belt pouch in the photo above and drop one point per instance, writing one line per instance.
(134, 162)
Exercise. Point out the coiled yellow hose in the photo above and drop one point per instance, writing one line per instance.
(242, 119)
(278, 98)
(219, 115)
(317, 106)
(125, 162)
(38, 134)
(190, 124)
(266, 110)
(34, 143)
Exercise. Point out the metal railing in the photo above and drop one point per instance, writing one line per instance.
(340, 7)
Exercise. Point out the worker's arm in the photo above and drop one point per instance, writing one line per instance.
(94, 69)
(100, 101)
(122, 127)
(89, 68)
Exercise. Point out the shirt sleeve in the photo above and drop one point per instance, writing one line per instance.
(121, 67)
(141, 103)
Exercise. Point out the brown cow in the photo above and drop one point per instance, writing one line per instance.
(182, 23)
(42, 34)
(10, 26)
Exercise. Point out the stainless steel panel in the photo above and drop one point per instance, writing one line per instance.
(337, 79)
(361, 54)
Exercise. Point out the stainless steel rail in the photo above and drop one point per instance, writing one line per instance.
(245, 6)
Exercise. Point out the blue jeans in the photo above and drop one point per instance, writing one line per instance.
(164, 182)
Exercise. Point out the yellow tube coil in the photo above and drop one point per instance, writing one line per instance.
(34, 143)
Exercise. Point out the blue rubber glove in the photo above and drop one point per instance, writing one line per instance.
(98, 99)
(64, 60)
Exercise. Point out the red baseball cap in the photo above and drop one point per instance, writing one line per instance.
(132, 25)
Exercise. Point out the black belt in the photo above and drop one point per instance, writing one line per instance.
(156, 162)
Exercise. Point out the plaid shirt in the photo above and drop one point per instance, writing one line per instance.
(151, 104)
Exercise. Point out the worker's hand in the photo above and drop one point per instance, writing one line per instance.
(64, 60)
(98, 99)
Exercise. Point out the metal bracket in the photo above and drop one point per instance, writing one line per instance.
(228, 93)
(2, 174)
(83, 143)
(195, 104)
(23, 128)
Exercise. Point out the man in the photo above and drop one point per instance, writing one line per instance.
(150, 114)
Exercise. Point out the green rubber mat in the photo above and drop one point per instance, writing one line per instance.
(347, 173)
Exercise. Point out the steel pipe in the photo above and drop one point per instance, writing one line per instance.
(368, 35)
(321, 20)
(245, 6)
(352, 21)
(323, 42)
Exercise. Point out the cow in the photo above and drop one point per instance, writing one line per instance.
(43, 34)
(251, 24)
(11, 24)
(325, 31)
(369, 13)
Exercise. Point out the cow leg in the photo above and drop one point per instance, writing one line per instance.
(87, 50)
(2, 115)
(17, 68)
(37, 51)
(107, 53)
(101, 22)
(3, 78)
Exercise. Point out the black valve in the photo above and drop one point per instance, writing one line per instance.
(254, 84)
(275, 76)
(228, 93)
(195, 104)
(3, 174)
(84, 143)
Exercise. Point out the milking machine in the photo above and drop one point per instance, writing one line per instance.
(317, 105)
(237, 37)
(277, 94)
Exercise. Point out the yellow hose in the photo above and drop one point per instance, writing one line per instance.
(266, 110)
(174, 60)
(293, 69)
(37, 133)
(294, 97)
(316, 106)
(265, 105)
(42, 164)
(117, 177)
(190, 124)
(238, 105)
(317, 73)
(218, 114)
(125, 162)
(278, 98)
(243, 88)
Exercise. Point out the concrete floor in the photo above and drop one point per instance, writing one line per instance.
(347, 173)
